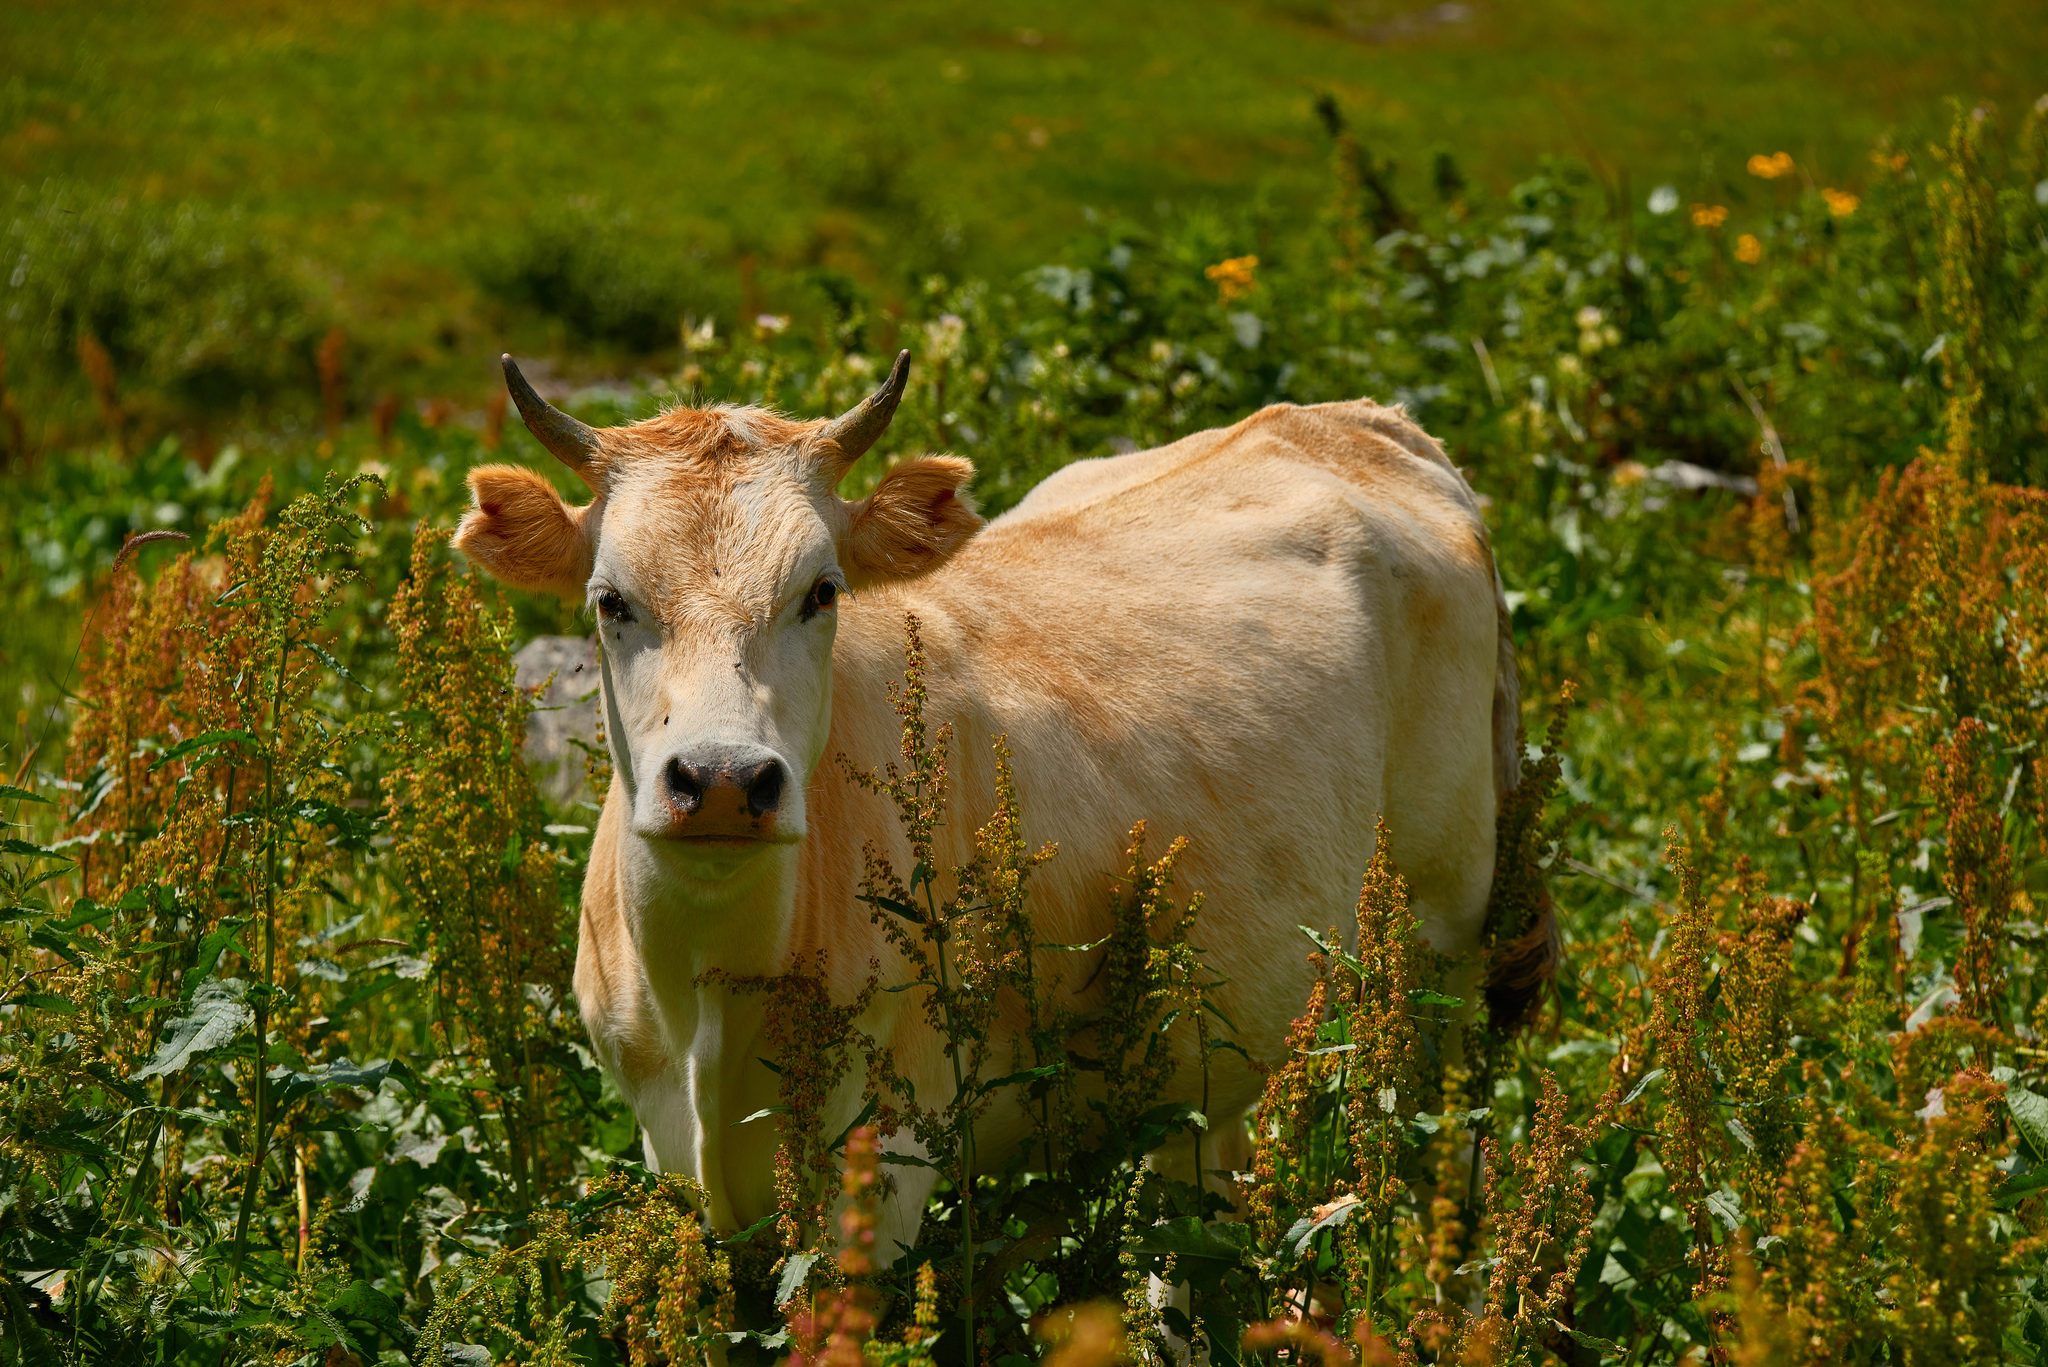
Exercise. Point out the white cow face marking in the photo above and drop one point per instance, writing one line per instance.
(717, 602)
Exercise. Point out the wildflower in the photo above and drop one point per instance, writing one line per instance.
(1595, 331)
(1234, 278)
(1771, 167)
(1664, 199)
(1709, 215)
(771, 323)
(1748, 250)
(1840, 202)
(945, 334)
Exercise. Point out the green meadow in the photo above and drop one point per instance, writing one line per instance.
(388, 148)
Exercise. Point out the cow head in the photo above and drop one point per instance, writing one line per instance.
(714, 555)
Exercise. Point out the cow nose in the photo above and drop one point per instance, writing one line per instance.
(763, 786)
(761, 783)
(686, 785)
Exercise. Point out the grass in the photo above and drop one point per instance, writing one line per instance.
(384, 145)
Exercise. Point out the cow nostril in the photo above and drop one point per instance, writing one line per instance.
(685, 789)
(764, 789)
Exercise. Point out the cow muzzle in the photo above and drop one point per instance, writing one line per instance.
(731, 800)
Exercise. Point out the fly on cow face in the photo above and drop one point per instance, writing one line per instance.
(713, 556)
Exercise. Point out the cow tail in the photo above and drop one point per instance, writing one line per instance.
(1521, 920)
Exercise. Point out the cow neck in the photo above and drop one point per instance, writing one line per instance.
(867, 658)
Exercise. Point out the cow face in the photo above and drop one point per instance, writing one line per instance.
(714, 558)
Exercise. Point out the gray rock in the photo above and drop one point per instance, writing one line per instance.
(566, 711)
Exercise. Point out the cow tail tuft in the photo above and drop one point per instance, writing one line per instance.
(1521, 919)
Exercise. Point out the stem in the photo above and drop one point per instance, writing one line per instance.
(259, 1139)
(1202, 1043)
(966, 1134)
(305, 1209)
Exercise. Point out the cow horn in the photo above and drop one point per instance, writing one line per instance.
(855, 430)
(575, 445)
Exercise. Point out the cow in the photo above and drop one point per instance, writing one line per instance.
(1264, 637)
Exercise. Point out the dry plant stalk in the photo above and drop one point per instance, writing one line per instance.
(488, 890)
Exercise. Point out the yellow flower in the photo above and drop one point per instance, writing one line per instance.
(1772, 166)
(1894, 160)
(1234, 278)
(1840, 202)
(1748, 250)
(1709, 215)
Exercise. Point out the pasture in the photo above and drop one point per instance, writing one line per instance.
(290, 1064)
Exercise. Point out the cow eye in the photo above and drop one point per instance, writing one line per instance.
(612, 607)
(823, 594)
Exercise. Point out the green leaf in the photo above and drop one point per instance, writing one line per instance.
(12, 845)
(56, 944)
(1430, 1124)
(2029, 1117)
(1593, 1341)
(794, 1272)
(65, 1138)
(32, 1345)
(361, 1301)
(1643, 1086)
(903, 909)
(43, 1001)
(210, 740)
(335, 665)
(220, 1012)
(2019, 1187)
(1228, 1023)
(1297, 1241)
(867, 1113)
(84, 912)
(352, 829)
(1423, 996)
(340, 1073)
(212, 945)
(1201, 1253)
(1335, 951)
(1050, 1070)
(9, 791)
(909, 1160)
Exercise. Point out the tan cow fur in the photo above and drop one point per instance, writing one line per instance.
(1262, 638)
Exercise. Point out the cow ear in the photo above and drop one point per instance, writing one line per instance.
(520, 532)
(916, 517)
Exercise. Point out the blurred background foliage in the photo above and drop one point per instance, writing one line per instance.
(401, 160)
